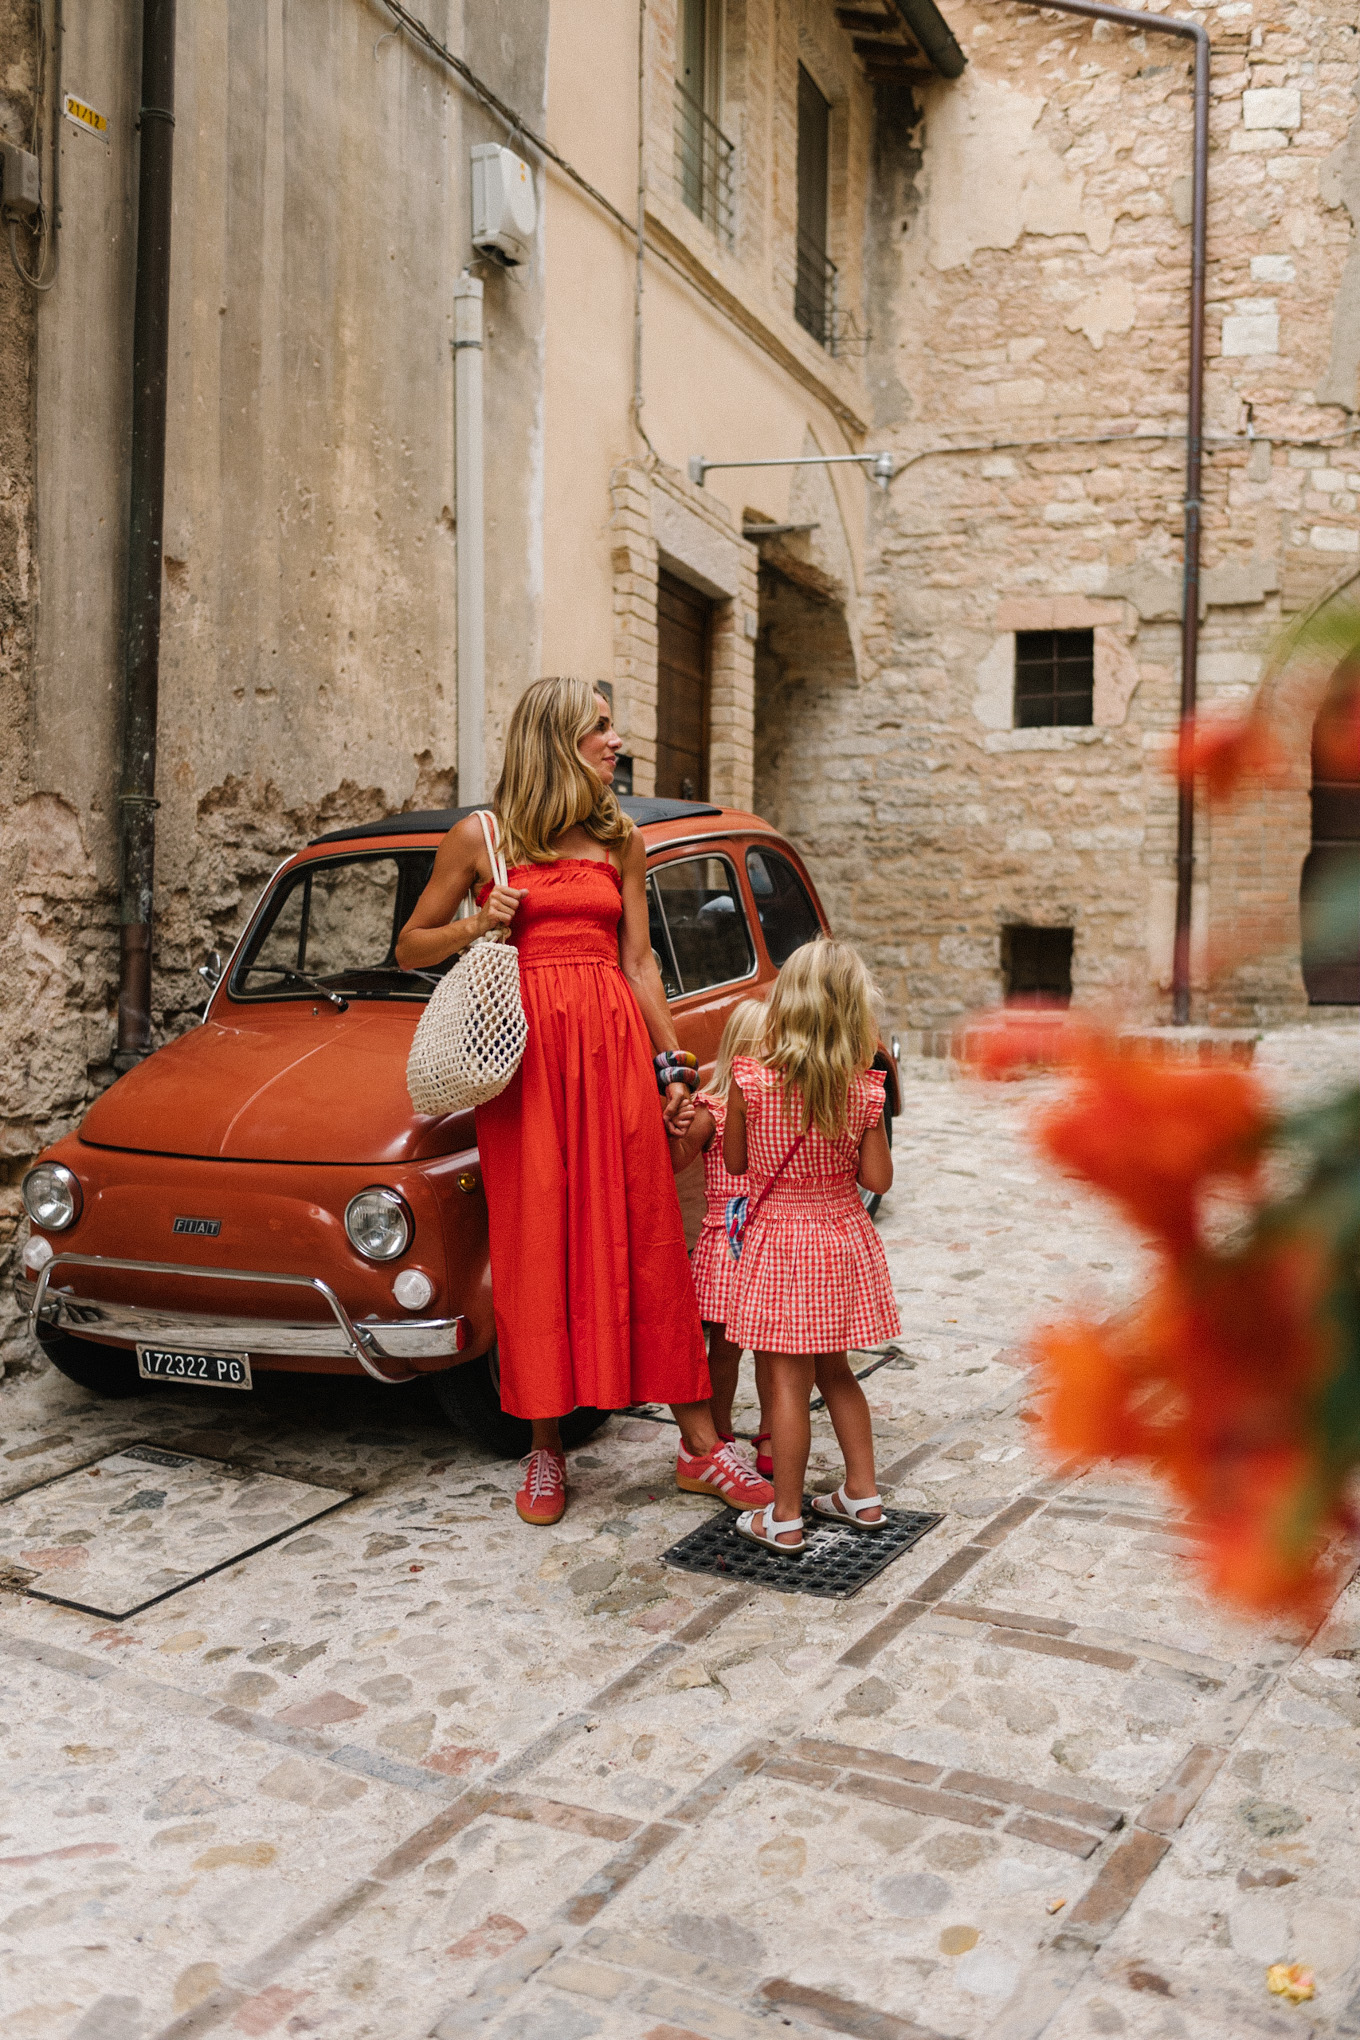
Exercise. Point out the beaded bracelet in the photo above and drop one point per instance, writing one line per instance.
(676, 1066)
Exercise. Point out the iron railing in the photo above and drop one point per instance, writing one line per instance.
(814, 293)
(704, 166)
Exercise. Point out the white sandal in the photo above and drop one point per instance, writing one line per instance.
(844, 1509)
(746, 1527)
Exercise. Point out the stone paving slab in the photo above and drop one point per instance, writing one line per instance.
(417, 1769)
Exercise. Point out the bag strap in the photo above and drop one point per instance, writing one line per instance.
(754, 1208)
(491, 836)
(467, 906)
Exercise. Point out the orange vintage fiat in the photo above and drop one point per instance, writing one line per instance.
(259, 1194)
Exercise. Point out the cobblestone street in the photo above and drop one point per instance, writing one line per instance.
(416, 1768)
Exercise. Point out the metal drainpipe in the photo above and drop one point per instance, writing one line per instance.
(141, 673)
(1160, 24)
(470, 527)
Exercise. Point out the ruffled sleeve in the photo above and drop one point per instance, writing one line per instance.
(866, 1102)
(752, 1078)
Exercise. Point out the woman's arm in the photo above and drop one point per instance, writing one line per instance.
(734, 1131)
(639, 967)
(689, 1148)
(635, 947)
(432, 933)
(875, 1160)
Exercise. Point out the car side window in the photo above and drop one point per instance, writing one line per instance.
(661, 943)
(703, 915)
(786, 914)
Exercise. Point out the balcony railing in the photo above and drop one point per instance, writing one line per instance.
(704, 166)
(814, 294)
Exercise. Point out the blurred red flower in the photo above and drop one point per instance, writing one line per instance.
(1224, 753)
(1151, 1136)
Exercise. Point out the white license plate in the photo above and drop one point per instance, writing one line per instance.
(196, 1370)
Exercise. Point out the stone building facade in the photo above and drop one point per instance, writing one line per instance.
(1029, 281)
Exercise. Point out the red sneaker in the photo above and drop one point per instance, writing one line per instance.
(721, 1473)
(764, 1463)
(543, 1498)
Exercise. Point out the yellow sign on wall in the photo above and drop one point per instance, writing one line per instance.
(84, 116)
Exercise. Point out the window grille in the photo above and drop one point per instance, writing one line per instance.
(815, 295)
(1054, 678)
(704, 165)
(814, 289)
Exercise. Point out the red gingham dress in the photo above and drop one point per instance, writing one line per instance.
(711, 1262)
(812, 1277)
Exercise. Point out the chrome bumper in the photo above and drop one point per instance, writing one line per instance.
(369, 1341)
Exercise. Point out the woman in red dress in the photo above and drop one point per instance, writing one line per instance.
(594, 1303)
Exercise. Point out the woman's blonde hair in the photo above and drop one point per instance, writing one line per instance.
(743, 1035)
(821, 1030)
(545, 785)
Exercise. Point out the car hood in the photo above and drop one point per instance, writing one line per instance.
(279, 1084)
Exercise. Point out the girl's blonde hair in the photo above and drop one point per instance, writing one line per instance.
(821, 1030)
(545, 785)
(743, 1035)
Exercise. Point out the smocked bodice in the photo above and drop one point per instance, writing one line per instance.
(569, 914)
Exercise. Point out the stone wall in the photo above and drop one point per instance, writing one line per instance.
(1029, 282)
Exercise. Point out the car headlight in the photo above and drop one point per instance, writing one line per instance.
(52, 1196)
(379, 1224)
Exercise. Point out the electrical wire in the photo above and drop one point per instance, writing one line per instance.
(44, 231)
(492, 100)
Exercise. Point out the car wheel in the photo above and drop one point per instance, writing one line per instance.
(471, 1396)
(871, 1199)
(105, 1370)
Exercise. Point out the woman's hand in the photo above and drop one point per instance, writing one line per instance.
(499, 908)
(678, 1109)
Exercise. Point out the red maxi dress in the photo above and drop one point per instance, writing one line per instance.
(594, 1303)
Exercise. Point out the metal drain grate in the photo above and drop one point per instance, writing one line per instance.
(836, 1564)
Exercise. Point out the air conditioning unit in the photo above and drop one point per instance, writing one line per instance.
(504, 210)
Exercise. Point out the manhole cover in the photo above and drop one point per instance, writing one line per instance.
(836, 1564)
(121, 1534)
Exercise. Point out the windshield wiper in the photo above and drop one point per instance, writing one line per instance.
(300, 977)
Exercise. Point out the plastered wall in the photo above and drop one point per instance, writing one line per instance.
(308, 654)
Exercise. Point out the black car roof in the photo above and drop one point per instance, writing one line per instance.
(438, 821)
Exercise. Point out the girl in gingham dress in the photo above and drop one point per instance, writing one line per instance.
(806, 1120)
(711, 1262)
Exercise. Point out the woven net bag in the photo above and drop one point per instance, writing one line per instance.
(472, 1033)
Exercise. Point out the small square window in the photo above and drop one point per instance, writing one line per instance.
(1037, 964)
(1054, 678)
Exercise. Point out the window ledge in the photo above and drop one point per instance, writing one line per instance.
(1054, 739)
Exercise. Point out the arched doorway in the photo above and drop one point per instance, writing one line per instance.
(1329, 893)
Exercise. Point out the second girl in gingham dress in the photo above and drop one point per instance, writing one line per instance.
(712, 1263)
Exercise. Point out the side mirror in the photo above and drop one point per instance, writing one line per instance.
(210, 970)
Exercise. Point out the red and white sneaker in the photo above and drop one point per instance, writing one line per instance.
(543, 1497)
(721, 1473)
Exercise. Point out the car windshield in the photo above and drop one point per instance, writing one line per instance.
(333, 926)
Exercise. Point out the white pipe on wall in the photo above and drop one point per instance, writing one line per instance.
(469, 509)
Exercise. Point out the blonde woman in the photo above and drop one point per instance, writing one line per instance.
(594, 1304)
(806, 1120)
(712, 1264)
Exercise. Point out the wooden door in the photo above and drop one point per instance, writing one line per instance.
(683, 621)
